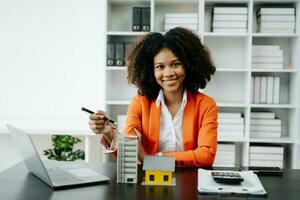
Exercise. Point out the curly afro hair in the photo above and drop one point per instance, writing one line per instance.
(185, 45)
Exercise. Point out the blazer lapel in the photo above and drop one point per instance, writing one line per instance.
(188, 122)
(154, 128)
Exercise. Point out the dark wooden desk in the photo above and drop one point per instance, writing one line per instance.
(17, 184)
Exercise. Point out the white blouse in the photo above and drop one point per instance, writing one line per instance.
(170, 135)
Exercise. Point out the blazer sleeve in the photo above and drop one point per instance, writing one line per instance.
(134, 116)
(133, 120)
(204, 154)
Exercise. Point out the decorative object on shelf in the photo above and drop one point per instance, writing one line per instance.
(127, 159)
(63, 149)
(159, 170)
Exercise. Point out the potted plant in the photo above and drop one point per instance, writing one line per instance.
(63, 149)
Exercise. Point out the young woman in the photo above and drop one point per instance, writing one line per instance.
(169, 114)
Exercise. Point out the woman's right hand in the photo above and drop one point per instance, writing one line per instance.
(98, 124)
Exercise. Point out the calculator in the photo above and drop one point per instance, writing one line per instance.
(226, 177)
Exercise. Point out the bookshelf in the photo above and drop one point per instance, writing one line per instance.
(232, 55)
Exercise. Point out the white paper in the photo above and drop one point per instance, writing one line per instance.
(250, 185)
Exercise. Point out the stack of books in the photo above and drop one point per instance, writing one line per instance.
(116, 53)
(266, 156)
(265, 125)
(225, 156)
(276, 20)
(121, 119)
(267, 57)
(184, 20)
(230, 19)
(230, 125)
(265, 89)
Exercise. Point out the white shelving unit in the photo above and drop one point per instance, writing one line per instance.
(231, 84)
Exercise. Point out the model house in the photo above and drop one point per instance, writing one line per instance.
(159, 170)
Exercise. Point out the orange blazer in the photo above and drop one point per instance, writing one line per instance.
(199, 129)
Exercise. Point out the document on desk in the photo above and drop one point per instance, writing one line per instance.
(250, 186)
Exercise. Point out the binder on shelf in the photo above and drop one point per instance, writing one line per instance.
(145, 19)
(263, 89)
(119, 58)
(276, 91)
(136, 18)
(110, 48)
(270, 86)
(252, 89)
(127, 47)
(256, 89)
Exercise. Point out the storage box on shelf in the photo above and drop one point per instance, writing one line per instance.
(228, 154)
(234, 59)
(182, 10)
(226, 18)
(275, 18)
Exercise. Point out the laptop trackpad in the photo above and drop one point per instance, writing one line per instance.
(82, 172)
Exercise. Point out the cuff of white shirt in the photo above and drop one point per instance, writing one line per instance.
(112, 147)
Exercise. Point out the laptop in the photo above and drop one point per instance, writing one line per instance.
(53, 173)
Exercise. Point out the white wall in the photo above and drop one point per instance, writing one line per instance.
(51, 64)
(52, 56)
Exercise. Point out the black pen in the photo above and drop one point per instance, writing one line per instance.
(91, 112)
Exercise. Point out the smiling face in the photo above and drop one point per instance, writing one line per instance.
(169, 71)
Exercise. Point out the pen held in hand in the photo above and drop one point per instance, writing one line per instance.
(105, 118)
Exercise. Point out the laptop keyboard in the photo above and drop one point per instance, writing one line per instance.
(62, 177)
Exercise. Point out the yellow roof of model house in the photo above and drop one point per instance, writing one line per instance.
(159, 163)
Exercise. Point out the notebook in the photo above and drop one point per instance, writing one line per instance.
(250, 186)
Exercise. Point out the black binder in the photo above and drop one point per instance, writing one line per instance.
(119, 58)
(136, 18)
(110, 48)
(128, 48)
(146, 19)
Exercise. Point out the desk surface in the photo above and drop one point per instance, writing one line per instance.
(17, 184)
